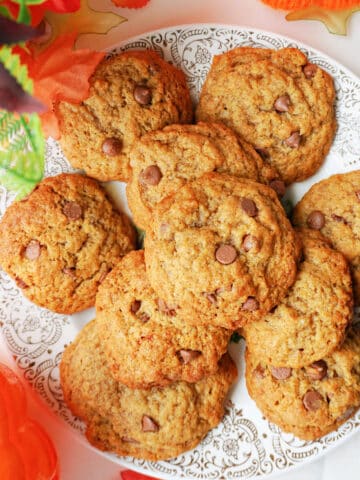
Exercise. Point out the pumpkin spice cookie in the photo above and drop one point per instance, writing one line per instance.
(332, 206)
(311, 320)
(61, 241)
(163, 161)
(154, 424)
(278, 101)
(145, 343)
(221, 251)
(131, 93)
(312, 401)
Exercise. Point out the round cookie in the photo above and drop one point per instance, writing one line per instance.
(153, 424)
(332, 206)
(131, 93)
(163, 161)
(140, 332)
(310, 321)
(221, 251)
(275, 99)
(309, 402)
(61, 241)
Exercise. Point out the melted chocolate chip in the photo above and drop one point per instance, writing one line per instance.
(249, 207)
(312, 400)
(278, 186)
(135, 306)
(294, 140)
(281, 373)
(33, 250)
(282, 103)
(317, 370)
(112, 146)
(148, 424)
(70, 271)
(250, 243)
(187, 356)
(316, 220)
(150, 175)
(225, 254)
(310, 70)
(211, 297)
(72, 210)
(251, 304)
(142, 94)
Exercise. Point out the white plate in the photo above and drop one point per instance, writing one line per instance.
(244, 445)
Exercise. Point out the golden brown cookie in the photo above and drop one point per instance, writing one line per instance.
(163, 161)
(309, 402)
(153, 424)
(61, 241)
(145, 343)
(278, 101)
(221, 251)
(310, 321)
(131, 93)
(332, 206)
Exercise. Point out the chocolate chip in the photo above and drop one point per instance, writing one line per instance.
(249, 207)
(294, 140)
(339, 218)
(20, 283)
(316, 220)
(70, 271)
(357, 193)
(251, 304)
(148, 424)
(129, 440)
(347, 414)
(150, 176)
(186, 356)
(250, 243)
(281, 373)
(144, 317)
(211, 297)
(310, 70)
(33, 250)
(72, 210)
(312, 400)
(225, 254)
(165, 308)
(317, 370)
(142, 94)
(282, 103)
(112, 146)
(264, 154)
(135, 306)
(278, 186)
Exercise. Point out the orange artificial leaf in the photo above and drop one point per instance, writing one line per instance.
(60, 73)
(130, 3)
(301, 4)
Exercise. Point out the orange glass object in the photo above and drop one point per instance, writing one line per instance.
(301, 4)
(26, 452)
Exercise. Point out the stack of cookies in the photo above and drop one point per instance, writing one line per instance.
(150, 375)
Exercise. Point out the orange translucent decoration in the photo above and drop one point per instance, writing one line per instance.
(26, 452)
(301, 4)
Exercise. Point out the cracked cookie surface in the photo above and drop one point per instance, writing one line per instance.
(145, 343)
(61, 241)
(275, 99)
(221, 251)
(332, 206)
(310, 321)
(163, 161)
(153, 424)
(312, 401)
(131, 93)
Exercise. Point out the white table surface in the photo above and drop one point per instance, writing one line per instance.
(77, 462)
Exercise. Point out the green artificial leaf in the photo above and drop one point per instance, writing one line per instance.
(22, 152)
(4, 12)
(22, 143)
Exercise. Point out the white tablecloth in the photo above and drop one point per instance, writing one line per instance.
(76, 460)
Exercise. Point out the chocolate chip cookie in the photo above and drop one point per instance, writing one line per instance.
(278, 101)
(311, 320)
(312, 401)
(165, 160)
(332, 206)
(221, 251)
(144, 341)
(153, 424)
(61, 241)
(131, 93)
